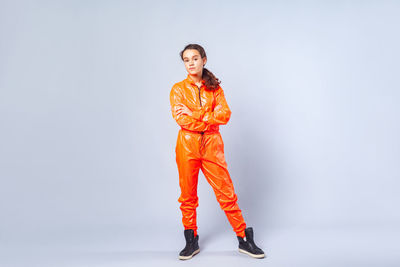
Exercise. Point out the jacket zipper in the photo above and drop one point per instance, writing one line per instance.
(202, 133)
(199, 95)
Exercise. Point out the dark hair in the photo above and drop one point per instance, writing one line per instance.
(212, 82)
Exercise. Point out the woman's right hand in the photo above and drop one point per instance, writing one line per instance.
(183, 110)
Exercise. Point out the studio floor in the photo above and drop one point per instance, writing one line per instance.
(283, 247)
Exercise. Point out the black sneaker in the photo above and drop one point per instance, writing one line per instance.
(192, 245)
(247, 245)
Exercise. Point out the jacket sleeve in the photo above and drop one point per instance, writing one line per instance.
(192, 123)
(221, 113)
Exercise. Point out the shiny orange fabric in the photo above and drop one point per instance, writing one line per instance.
(199, 146)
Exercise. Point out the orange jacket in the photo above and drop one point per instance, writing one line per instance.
(209, 108)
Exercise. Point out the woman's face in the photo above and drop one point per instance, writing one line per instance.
(193, 62)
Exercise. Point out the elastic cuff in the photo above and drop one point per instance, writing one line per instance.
(241, 234)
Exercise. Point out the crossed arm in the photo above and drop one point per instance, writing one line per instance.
(198, 119)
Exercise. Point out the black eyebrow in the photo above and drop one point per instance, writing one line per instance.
(193, 56)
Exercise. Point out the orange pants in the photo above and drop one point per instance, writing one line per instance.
(205, 151)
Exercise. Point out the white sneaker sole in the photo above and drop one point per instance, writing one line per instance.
(190, 256)
(257, 256)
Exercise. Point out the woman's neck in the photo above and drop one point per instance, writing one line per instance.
(196, 78)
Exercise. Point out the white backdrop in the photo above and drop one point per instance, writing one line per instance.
(87, 138)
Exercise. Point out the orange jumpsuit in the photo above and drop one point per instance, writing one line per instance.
(199, 146)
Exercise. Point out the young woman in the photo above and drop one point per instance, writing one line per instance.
(199, 106)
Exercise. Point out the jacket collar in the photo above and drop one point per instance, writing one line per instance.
(189, 80)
